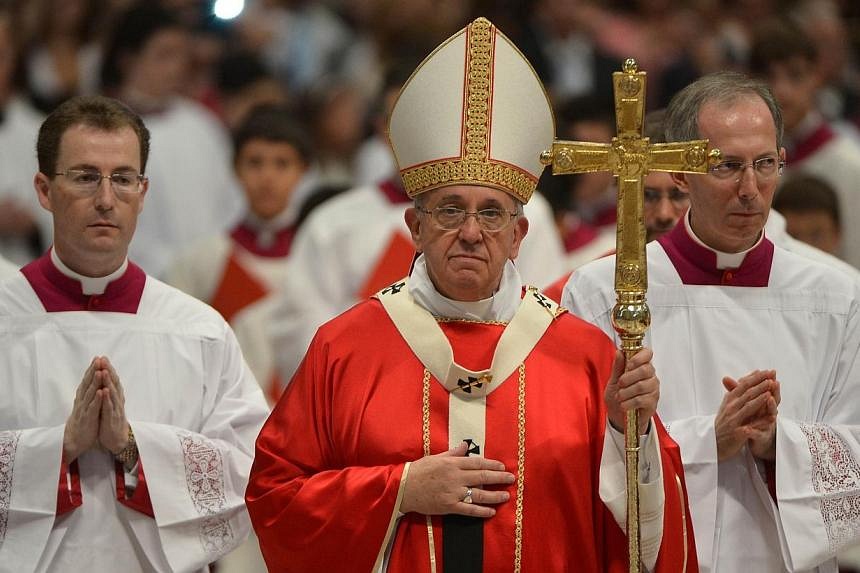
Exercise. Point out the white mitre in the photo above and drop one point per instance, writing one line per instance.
(473, 113)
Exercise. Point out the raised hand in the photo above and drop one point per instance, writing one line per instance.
(633, 386)
(748, 414)
(437, 485)
(82, 426)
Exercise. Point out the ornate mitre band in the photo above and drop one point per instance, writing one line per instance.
(474, 112)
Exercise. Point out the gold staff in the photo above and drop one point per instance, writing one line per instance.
(630, 157)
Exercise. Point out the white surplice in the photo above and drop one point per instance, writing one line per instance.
(195, 410)
(803, 324)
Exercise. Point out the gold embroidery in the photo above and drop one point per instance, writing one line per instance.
(469, 320)
(478, 82)
(425, 431)
(521, 468)
(474, 166)
(521, 463)
(447, 172)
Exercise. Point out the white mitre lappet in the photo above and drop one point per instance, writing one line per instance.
(473, 113)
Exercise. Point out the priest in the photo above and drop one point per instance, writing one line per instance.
(128, 418)
(457, 421)
(757, 349)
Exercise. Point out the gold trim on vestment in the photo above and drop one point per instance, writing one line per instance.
(425, 432)
(521, 463)
(495, 174)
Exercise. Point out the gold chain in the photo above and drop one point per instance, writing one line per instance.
(521, 468)
(470, 321)
(425, 430)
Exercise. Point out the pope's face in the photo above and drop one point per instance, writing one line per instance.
(466, 264)
(92, 232)
(728, 214)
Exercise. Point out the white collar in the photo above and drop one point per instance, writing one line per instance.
(267, 230)
(724, 260)
(89, 285)
(500, 307)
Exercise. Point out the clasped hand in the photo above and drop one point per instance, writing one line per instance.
(98, 414)
(747, 415)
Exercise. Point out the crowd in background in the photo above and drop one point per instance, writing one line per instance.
(334, 69)
(337, 66)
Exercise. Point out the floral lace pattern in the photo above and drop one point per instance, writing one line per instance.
(204, 476)
(836, 478)
(8, 447)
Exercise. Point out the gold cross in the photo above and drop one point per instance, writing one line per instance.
(630, 157)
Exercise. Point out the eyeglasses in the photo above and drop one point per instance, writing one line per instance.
(452, 218)
(677, 197)
(87, 181)
(765, 168)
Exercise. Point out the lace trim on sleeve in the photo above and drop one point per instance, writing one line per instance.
(836, 479)
(204, 476)
(8, 447)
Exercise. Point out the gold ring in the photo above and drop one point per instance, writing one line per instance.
(468, 497)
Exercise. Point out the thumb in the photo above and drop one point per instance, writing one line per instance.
(460, 450)
(729, 384)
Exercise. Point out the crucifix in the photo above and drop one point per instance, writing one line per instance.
(630, 157)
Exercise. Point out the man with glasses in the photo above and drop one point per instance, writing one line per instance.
(456, 421)
(127, 429)
(756, 346)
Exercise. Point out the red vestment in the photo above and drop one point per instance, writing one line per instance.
(329, 460)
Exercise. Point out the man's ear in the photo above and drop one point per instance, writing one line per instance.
(43, 190)
(521, 229)
(143, 191)
(413, 221)
(680, 180)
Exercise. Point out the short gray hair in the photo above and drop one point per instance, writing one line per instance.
(726, 88)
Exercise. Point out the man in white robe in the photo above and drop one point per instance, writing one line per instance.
(127, 432)
(756, 348)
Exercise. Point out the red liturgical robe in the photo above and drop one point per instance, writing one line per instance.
(326, 481)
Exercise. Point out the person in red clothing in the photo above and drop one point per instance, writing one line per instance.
(457, 421)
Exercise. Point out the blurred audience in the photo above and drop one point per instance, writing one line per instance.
(146, 67)
(335, 67)
(811, 210)
(21, 237)
(787, 59)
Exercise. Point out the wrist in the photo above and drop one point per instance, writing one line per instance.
(128, 454)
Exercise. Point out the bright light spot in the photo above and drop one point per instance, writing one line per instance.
(228, 9)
